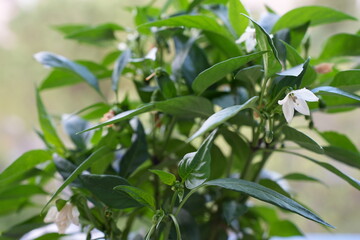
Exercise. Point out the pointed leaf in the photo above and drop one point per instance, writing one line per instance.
(73, 124)
(238, 23)
(333, 91)
(215, 73)
(165, 177)
(291, 134)
(267, 195)
(222, 116)
(340, 45)
(342, 155)
(316, 15)
(194, 168)
(339, 140)
(142, 197)
(120, 64)
(347, 80)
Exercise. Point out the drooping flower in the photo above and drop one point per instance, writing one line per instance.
(67, 215)
(249, 38)
(296, 99)
(324, 68)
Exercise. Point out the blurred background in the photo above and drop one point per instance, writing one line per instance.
(26, 28)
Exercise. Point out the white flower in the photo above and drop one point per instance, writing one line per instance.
(296, 100)
(67, 215)
(249, 38)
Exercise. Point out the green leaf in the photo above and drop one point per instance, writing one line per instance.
(316, 15)
(271, 59)
(124, 116)
(96, 156)
(300, 177)
(102, 186)
(56, 61)
(218, 71)
(291, 134)
(166, 85)
(194, 168)
(186, 107)
(250, 75)
(238, 23)
(165, 177)
(138, 151)
(120, 64)
(142, 197)
(20, 191)
(341, 45)
(73, 124)
(224, 44)
(222, 116)
(339, 140)
(347, 80)
(190, 21)
(90, 34)
(352, 181)
(284, 228)
(47, 127)
(342, 155)
(267, 195)
(24, 163)
(333, 91)
(59, 78)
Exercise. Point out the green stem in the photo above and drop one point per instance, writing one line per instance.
(263, 89)
(264, 159)
(185, 199)
(152, 229)
(177, 228)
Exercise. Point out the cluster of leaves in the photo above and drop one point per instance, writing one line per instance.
(184, 157)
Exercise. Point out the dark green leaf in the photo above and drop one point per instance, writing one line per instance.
(222, 116)
(119, 67)
(190, 21)
(124, 116)
(339, 140)
(333, 91)
(56, 61)
(186, 107)
(238, 23)
(142, 197)
(165, 177)
(345, 156)
(273, 185)
(137, 153)
(102, 186)
(340, 45)
(215, 73)
(222, 43)
(96, 156)
(250, 74)
(194, 168)
(316, 15)
(24, 163)
(166, 85)
(267, 195)
(291, 134)
(47, 127)
(297, 35)
(347, 80)
(271, 60)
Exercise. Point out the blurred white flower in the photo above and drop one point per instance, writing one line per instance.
(67, 215)
(296, 99)
(249, 38)
(152, 54)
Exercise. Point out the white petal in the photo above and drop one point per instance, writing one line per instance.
(286, 98)
(250, 44)
(301, 106)
(288, 110)
(51, 215)
(243, 38)
(306, 94)
(75, 216)
(62, 226)
(152, 54)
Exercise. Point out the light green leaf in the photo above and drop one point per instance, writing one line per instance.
(124, 116)
(238, 23)
(267, 195)
(186, 107)
(215, 73)
(316, 15)
(339, 140)
(333, 91)
(47, 127)
(222, 116)
(165, 177)
(142, 197)
(341, 45)
(271, 59)
(291, 134)
(24, 163)
(96, 156)
(190, 21)
(347, 80)
(194, 168)
(342, 155)
(300, 177)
